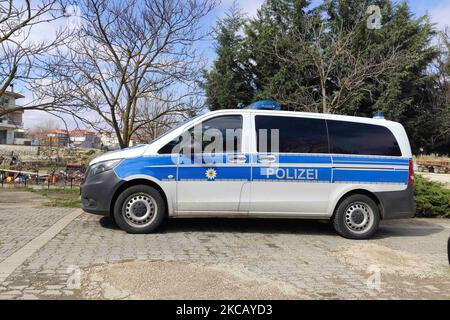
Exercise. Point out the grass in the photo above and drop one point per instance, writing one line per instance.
(60, 197)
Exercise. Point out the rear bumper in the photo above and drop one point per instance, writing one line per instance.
(97, 193)
(397, 204)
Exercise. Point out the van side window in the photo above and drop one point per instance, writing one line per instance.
(361, 138)
(227, 128)
(296, 135)
(167, 149)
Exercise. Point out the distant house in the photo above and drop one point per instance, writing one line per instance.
(109, 140)
(57, 138)
(84, 139)
(11, 125)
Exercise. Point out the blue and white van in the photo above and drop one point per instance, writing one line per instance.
(353, 171)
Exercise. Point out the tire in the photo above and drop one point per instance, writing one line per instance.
(139, 209)
(356, 217)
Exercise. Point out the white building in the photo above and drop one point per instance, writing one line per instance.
(84, 139)
(109, 140)
(11, 125)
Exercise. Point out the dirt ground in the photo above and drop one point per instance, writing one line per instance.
(173, 280)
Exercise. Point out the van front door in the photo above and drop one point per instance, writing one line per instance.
(216, 179)
(291, 171)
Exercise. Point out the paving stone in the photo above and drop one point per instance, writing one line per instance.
(298, 253)
(51, 293)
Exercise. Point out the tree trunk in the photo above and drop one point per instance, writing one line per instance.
(324, 98)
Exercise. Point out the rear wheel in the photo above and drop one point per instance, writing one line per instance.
(139, 209)
(356, 217)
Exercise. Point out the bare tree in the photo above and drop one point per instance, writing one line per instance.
(156, 117)
(19, 52)
(126, 58)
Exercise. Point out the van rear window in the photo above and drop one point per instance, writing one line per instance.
(361, 138)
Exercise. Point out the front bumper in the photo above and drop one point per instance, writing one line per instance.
(97, 192)
(397, 204)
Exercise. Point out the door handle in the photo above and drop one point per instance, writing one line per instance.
(237, 158)
(267, 158)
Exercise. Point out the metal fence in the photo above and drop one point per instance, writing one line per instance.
(61, 179)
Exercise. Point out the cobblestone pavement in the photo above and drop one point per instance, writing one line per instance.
(16, 231)
(301, 259)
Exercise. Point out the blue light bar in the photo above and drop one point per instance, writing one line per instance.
(265, 105)
(378, 116)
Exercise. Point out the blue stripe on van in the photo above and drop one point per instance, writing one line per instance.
(161, 167)
(220, 173)
(146, 166)
(370, 176)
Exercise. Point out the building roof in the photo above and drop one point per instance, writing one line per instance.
(73, 133)
(57, 131)
(80, 132)
(14, 94)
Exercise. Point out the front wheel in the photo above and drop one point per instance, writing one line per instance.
(356, 217)
(139, 209)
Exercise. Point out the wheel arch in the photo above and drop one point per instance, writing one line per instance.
(363, 191)
(142, 181)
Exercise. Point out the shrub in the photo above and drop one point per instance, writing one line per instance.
(432, 198)
(90, 152)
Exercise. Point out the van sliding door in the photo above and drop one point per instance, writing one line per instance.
(291, 171)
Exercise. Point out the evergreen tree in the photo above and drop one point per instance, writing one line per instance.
(432, 118)
(228, 84)
(326, 58)
(268, 37)
(401, 92)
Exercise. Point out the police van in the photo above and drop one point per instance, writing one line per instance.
(353, 171)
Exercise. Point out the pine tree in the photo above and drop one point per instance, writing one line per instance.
(268, 36)
(400, 92)
(228, 85)
(326, 59)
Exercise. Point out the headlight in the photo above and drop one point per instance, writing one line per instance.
(102, 167)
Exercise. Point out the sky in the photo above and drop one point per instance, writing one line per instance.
(438, 10)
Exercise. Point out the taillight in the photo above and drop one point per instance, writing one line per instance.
(411, 173)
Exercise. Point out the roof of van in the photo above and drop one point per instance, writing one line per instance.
(395, 127)
(308, 115)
